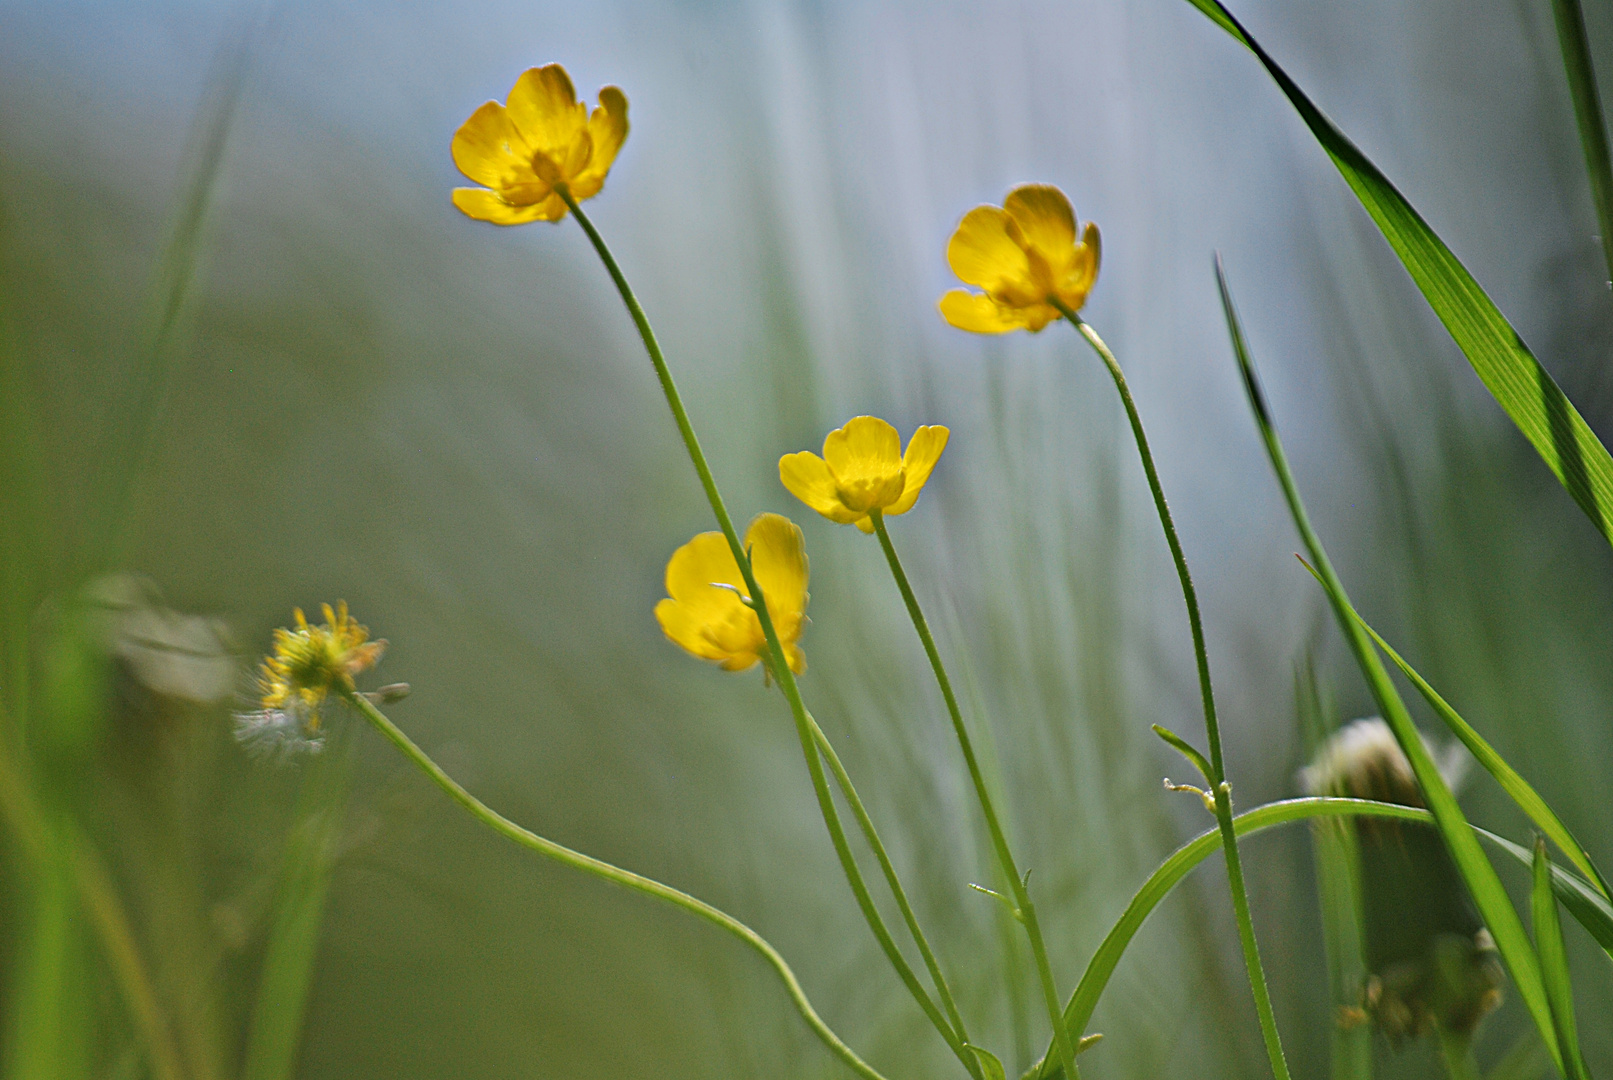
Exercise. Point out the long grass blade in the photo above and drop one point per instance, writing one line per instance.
(1588, 114)
(1495, 907)
(284, 982)
(1528, 800)
(1598, 914)
(133, 429)
(1534, 401)
(1525, 1059)
(1554, 962)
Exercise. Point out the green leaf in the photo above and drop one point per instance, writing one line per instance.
(1528, 800)
(1593, 912)
(989, 1062)
(1588, 113)
(1554, 961)
(1495, 908)
(1514, 377)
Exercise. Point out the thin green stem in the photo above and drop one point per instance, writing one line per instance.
(601, 869)
(843, 781)
(1221, 789)
(776, 660)
(999, 842)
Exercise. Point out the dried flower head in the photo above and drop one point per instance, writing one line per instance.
(542, 139)
(307, 665)
(1431, 963)
(1024, 255)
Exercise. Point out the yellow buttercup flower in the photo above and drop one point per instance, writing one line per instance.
(706, 612)
(541, 139)
(863, 468)
(310, 662)
(1024, 255)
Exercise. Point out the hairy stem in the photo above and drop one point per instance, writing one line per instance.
(601, 869)
(777, 662)
(1026, 911)
(1217, 779)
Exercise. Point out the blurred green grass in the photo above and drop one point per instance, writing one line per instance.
(450, 426)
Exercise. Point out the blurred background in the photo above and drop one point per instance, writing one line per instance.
(331, 385)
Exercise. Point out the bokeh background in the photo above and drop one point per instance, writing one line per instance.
(453, 427)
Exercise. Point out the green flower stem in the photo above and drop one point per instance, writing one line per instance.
(1026, 911)
(872, 836)
(1218, 782)
(776, 661)
(578, 861)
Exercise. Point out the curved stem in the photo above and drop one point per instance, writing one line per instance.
(1218, 781)
(601, 869)
(843, 781)
(1026, 911)
(776, 660)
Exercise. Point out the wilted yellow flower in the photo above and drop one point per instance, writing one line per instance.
(1024, 255)
(705, 612)
(311, 661)
(540, 140)
(862, 469)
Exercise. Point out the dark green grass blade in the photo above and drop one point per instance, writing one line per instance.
(1554, 961)
(1588, 113)
(1495, 907)
(275, 1036)
(1171, 872)
(1528, 800)
(1514, 377)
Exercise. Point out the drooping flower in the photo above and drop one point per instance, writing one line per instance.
(308, 664)
(1024, 255)
(541, 139)
(863, 468)
(707, 610)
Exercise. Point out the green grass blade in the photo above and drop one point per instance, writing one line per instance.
(1525, 1059)
(1598, 914)
(1528, 800)
(133, 430)
(275, 1036)
(1495, 907)
(1588, 113)
(1338, 881)
(1534, 401)
(1554, 961)
(1171, 872)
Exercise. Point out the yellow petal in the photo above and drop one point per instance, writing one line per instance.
(1083, 272)
(608, 130)
(981, 251)
(696, 565)
(545, 110)
(806, 476)
(778, 558)
(489, 150)
(682, 628)
(923, 450)
(865, 458)
(484, 205)
(1045, 220)
(978, 313)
